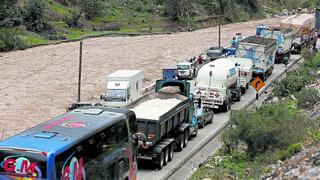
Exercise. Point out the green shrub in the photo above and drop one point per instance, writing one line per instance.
(92, 8)
(11, 39)
(271, 127)
(294, 82)
(307, 98)
(290, 150)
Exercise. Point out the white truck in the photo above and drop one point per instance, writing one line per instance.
(123, 88)
(186, 70)
(284, 37)
(304, 30)
(245, 67)
(217, 84)
(262, 53)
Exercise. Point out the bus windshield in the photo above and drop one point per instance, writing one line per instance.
(22, 163)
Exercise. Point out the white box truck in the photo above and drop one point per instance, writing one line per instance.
(284, 37)
(123, 88)
(245, 67)
(217, 84)
(262, 53)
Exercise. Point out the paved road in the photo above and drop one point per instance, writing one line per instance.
(220, 121)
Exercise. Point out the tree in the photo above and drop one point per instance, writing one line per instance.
(91, 8)
(10, 13)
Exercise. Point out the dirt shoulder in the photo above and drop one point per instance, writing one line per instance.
(38, 83)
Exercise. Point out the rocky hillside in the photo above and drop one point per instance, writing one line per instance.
(28, 22)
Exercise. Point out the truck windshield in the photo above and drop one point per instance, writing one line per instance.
(22, 163)
(213, 53)
(183, 67)
(116, 95)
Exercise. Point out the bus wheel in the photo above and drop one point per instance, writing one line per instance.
(160, 162)
(166, 155)
(186, 137)
(170, 152)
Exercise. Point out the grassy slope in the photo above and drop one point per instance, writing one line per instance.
(137, 17)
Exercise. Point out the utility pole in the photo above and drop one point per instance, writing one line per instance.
(220, 25)
(188, 15)
(80, 69)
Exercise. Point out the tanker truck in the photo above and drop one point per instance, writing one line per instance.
(218, 84)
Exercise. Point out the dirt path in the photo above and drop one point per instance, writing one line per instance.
(39, 83)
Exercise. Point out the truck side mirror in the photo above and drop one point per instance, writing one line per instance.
(139, 139)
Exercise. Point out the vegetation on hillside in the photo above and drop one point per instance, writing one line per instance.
(40, 21)
(275, 131)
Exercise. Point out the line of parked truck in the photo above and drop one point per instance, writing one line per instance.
(158, 123)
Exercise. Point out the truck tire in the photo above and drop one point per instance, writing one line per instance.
(195, 132)
(211, 118)
(180, 143)
(243, 90)
(186, 138)
(170, 147)
(202, 124)
(160, 161)
(166, 155)
(225, 106)
(238, 99)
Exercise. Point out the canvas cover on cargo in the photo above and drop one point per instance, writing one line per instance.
(300, 24)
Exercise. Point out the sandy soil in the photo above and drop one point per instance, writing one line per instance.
(39, 83)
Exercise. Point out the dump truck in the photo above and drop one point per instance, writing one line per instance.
(166, 120)
(304, 31)
(284, 37)
(262, 53)
(218, 84)
(123, 88)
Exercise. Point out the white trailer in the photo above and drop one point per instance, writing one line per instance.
(284, 37)
(262, 53)
(217, 84)
(123, 88)
(245, 67)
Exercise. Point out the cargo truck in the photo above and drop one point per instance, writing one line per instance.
(262, 53)
(123, 88)
(304, 31)
(165, 118)
(218, 84)
(284, 37)
(245, 67)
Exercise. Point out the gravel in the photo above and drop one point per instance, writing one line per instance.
(154, 108)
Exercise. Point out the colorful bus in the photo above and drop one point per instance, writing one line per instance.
(86, 143)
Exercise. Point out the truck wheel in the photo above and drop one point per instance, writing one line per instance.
(238, 99)
(186, 137)
(202, 124)
(243, 90)
(160, 162)
(196, 131)
(225, 106)
(170, 147)
(230, 102)
(166, 155)
(211, 119)
(180, 143)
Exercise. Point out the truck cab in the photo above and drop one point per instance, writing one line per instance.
(123, 88)
(186, 70)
